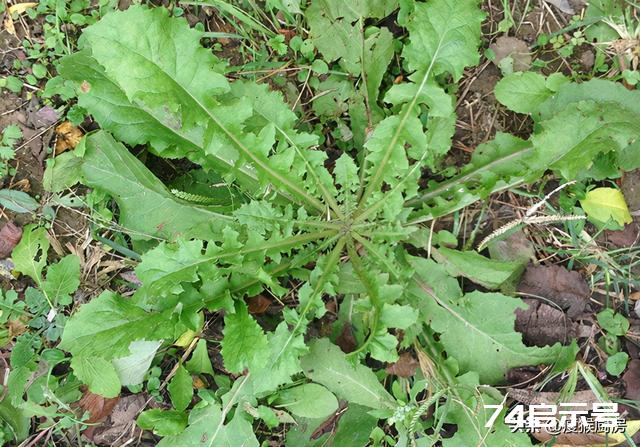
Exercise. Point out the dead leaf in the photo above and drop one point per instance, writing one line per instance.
(557, 284)
(531, 397)
(562, 5)
(346, 340)
(515, 248)
(631, 379)
(405, 366)
(43, 117)
(511, 46)
(258, 304)
(10, 235)
(542, 324)
(19, 8)
(630, 187)
(68, 137)
(627, 237)
(121, 420)
(8, 25)
(98, 407)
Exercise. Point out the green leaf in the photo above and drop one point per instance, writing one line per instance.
(30, 255)
(207, 422)
(108, 324)
(18, 201)
(617, 363)
(63, 278)
(602, 204)
(244, 344)
(162, 422)
(147, 207)
(181, 389)
(10, 307)
(523, 92)
(309, 401)
(200, 363)
(472, 265)
(62, 172)
(17, 420)
(613, 323)
(98, 374)
(132, 368)
(327, 364)
(445, 34)
(474, 325)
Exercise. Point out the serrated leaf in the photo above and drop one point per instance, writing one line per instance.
(327, 364)
(523, 92)
(473, 325)
(98, 374)
(63, 278)
(10, 307)
(181, 389)
(602, 204)
(244, 344)
(30, 255)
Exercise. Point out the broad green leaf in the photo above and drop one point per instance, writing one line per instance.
(30, 255)
(16, 419)
(308, 401)
(244, 344)
(63, 278)
(472, 265)
(147, 207)
(327, 364)
(181, 389)
(523, 92)
(200, 363)
(613, 323)
(98, 374)
(18, 201)
(473, 325)
(62, 172)
(108, 324)
(132, 368)
(163, 422)
(602, 204)
(617, 363)
(207, 423)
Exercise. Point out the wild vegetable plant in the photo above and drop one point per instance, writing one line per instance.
(292, 223)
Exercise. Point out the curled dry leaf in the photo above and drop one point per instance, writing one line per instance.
(557, 284)
(10, 235)
(68, 137)
(258, 304)
(517, 49)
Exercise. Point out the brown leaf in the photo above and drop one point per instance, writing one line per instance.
(627, 237)
(258, 304)
(557, 284)
(346, 340)
(572, 439)
(121, 420)
(542, 324)
(511, 46)
(98, 407)
(631, 380)
(405, 366)
(68, 137)
(630, 187)
(10, 235)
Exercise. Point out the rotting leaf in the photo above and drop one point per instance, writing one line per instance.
(98, 407)
(542, 324)
(10, 235)
(405, 366)
(68, 137)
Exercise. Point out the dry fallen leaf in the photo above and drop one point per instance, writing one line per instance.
(19, 8)
(405, 366)
(10, 235)
(97, 406)
(258, 304)
(8, 25)
(68, 137)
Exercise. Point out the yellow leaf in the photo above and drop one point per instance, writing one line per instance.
(185, 339)
(19, 8)
(601, 204)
